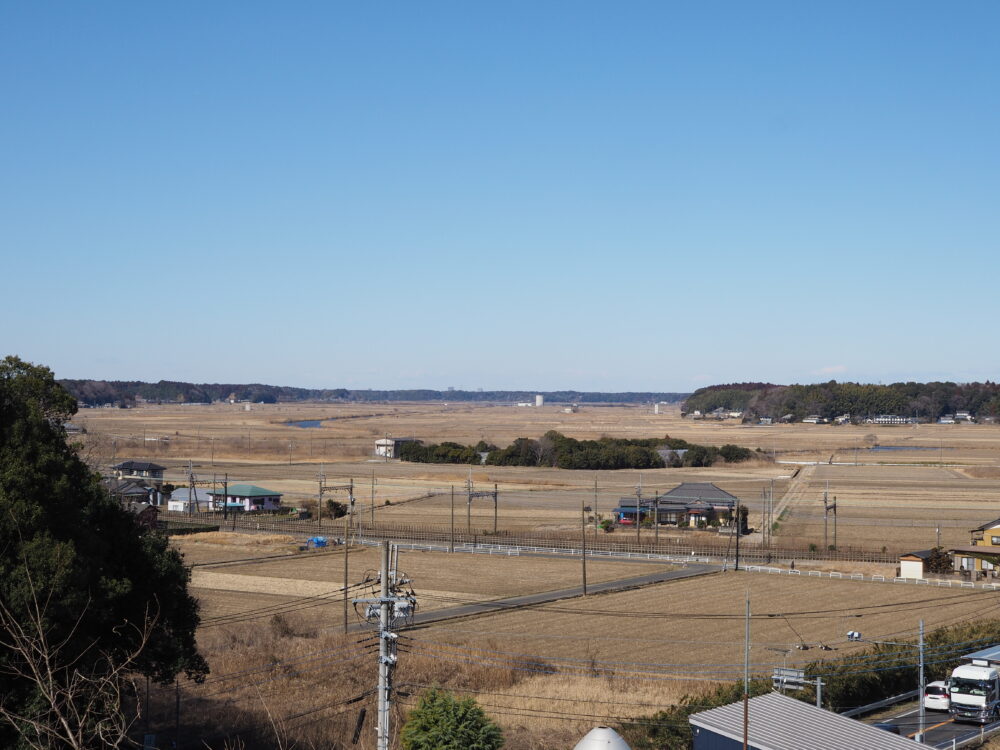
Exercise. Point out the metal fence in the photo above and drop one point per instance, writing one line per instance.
(595, 544)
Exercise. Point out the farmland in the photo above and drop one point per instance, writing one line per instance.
(935, 479)
(543, 672)
(548, 672)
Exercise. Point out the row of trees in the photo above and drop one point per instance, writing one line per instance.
(926, 400)
(97, 392)
(557, 450)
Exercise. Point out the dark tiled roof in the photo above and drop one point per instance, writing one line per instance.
(126, 488)
(138, 466)
(923, 554)
(703, 491)
(990, 525)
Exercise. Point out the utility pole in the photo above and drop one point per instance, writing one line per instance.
(225, 496)
(385, 610)
(583, 543)
(347, 547)
(386, 658)
(739, 530)
(920, 695)
(595, 510)
(746, 676)
(827, 507)
(373, 499)
(656, 518)
(451, 542)
(638, 509)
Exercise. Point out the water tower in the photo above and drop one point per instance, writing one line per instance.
(539, 400)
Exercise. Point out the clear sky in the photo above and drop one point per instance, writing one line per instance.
(539, 195)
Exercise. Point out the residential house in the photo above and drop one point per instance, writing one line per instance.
(964, 416)
(842, 419)
(981, 556)
(246, 497)
(139, 470)
(133, 491)
(689, 504)
(814, 419)
(947, 419)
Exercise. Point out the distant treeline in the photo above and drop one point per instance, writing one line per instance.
(557, 450)
(119, 392)
(926, 400)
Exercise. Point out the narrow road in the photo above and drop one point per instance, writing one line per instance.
(940, 730)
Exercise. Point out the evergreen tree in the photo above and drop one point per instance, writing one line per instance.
(82, 587)
(442, 722)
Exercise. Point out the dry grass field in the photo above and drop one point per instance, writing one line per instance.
(546, 674)
(942, 479)
(437, 576)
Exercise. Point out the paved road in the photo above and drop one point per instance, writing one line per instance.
(543, 597)
(939, 729)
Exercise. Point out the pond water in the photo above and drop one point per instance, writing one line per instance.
(306, 423)
(904, 448)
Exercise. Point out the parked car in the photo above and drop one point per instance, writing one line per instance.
(936, 696)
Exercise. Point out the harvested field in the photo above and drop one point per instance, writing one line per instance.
(693, 628)
(437, 577)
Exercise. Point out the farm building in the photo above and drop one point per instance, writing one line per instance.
(185, 499)
(389, 447)
(687, 504)
(914, 564)
(777, 722)
(248, 497)
(138, 470)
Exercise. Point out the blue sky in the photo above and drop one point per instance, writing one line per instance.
(539, 195)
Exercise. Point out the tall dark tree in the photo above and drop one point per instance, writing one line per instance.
(103, 598)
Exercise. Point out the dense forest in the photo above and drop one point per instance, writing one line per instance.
(125, 393)
(556, 450)
(922, 400)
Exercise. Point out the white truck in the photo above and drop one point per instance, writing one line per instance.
(974, 687)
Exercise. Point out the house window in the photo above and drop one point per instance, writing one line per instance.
(995, 540)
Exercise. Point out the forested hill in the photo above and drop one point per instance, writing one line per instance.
(95, 392)
(924, 400)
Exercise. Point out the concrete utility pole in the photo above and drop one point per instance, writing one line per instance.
(385, 610)
(451, 541)
(386, 659)
(583, 543)
(827, 508)
(347, 548)
(656, 518)
(746, 677)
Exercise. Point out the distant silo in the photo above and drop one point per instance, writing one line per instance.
(539, 400)
(656, 408)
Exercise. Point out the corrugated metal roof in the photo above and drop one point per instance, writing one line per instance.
(778, 722)
(992, 654)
